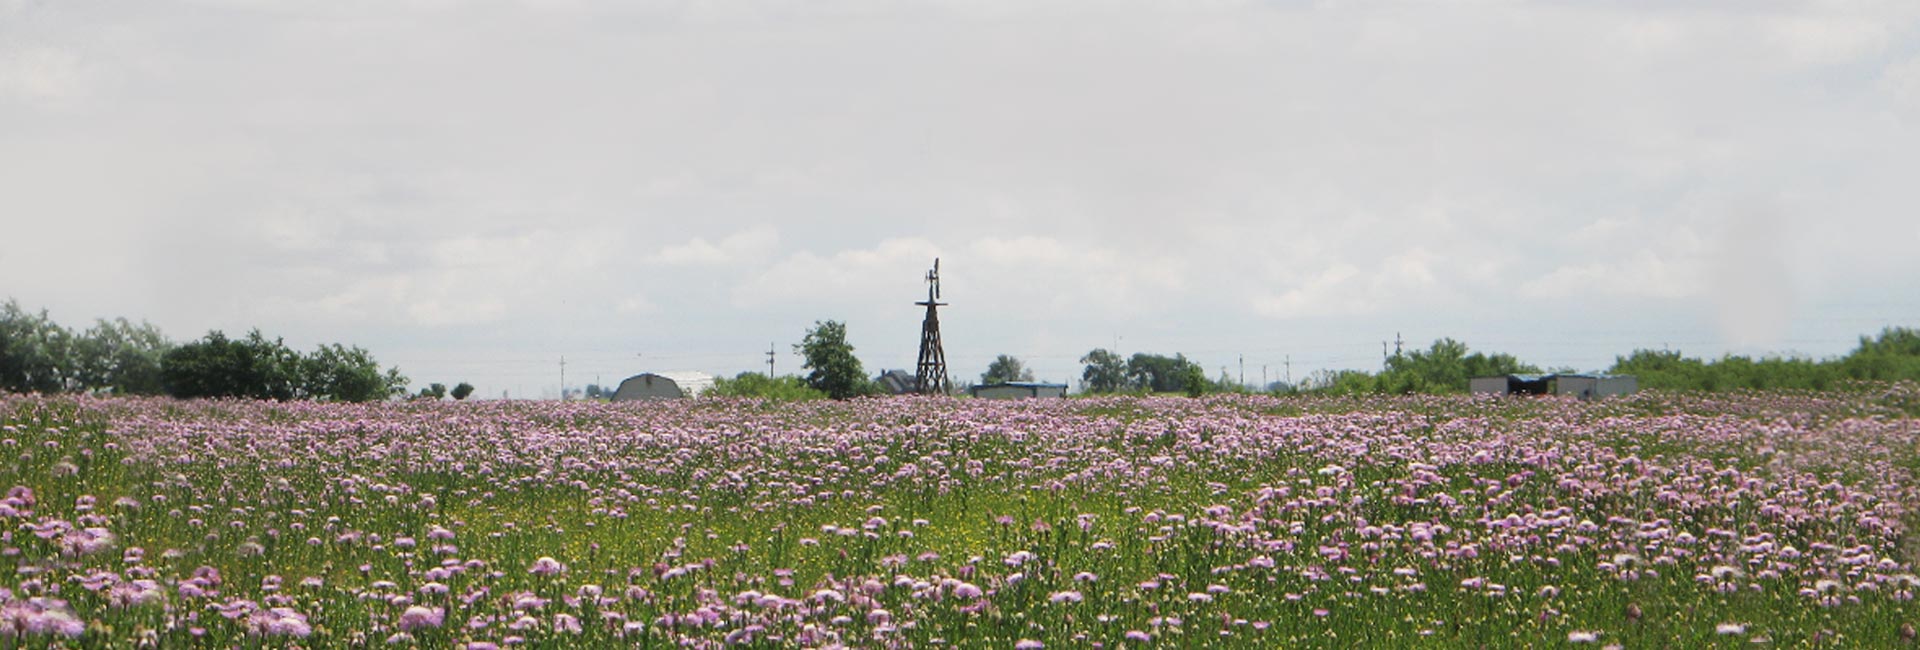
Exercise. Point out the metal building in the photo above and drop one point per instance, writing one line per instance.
(1018, 390)
(663, 385)
(1592, 386)
(1581, 385)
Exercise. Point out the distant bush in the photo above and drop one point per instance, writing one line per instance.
(116, 356)
(120, 357)
(1442, 368)
(753, 384)
(1894, 355)
(257, 368)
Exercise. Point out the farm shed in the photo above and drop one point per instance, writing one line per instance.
(1591, 386)
(663, 385)
(1583, 386)
(1018, 390)
(898, 382)
(1512, 385)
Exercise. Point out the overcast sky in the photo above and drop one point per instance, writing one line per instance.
(472, 190)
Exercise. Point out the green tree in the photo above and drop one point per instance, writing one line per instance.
(258, 368)
(1106, 372)
(434, 391)
(347, 374)
(1892, 356)
(1444, 367)
(835, 371)
(217, 366)
(1437, 369)
(1193, 380)
(36, 354)
(1163, 374)
(1006, 368)
(121, 357)
(462, 390)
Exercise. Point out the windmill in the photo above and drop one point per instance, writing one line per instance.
(932, 376)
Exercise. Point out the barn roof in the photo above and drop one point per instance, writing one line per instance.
(680, 376)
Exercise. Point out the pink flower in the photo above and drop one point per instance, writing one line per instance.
(546, 566)
(419, 617)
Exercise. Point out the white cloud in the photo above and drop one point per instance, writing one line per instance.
(1752, 279)
(1646, 275)
(504, 175)
(41, 75)
(739, 247)
(1901, 84)
(1405, 279)
(1829, 40)
(841, 277)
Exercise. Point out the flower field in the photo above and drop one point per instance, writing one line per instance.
(1653, 521)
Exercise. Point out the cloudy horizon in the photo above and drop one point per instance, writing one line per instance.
(473, 190)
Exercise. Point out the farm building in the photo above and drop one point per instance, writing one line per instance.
(663, 385)
(1018, 390)
(1591, 386)
(898, 382)
(1583, 386)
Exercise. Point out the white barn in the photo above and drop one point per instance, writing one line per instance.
(663, 385)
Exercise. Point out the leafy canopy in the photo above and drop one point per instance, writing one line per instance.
(1006, 368)
(829, 357)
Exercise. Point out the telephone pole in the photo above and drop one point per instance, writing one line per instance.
(563, 378)
(770, 359)
(1243, 371)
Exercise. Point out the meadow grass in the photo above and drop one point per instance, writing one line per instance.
(1233, 521)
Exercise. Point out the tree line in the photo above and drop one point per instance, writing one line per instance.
(125, 358)
(120, 357)
(1892, 355)
(1445, 367)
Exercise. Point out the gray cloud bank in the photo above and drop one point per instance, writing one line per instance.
(473, 189)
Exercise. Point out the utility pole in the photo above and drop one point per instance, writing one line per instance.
(563, 378)
(1243, 371)
(1396, 344)
(1263, 377)
(1289, 371)
(769, 359)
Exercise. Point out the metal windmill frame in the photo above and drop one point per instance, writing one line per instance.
(931, 378)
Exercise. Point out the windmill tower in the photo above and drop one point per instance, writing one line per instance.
(932, 376)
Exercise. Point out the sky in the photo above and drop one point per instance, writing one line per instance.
(475, 190)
